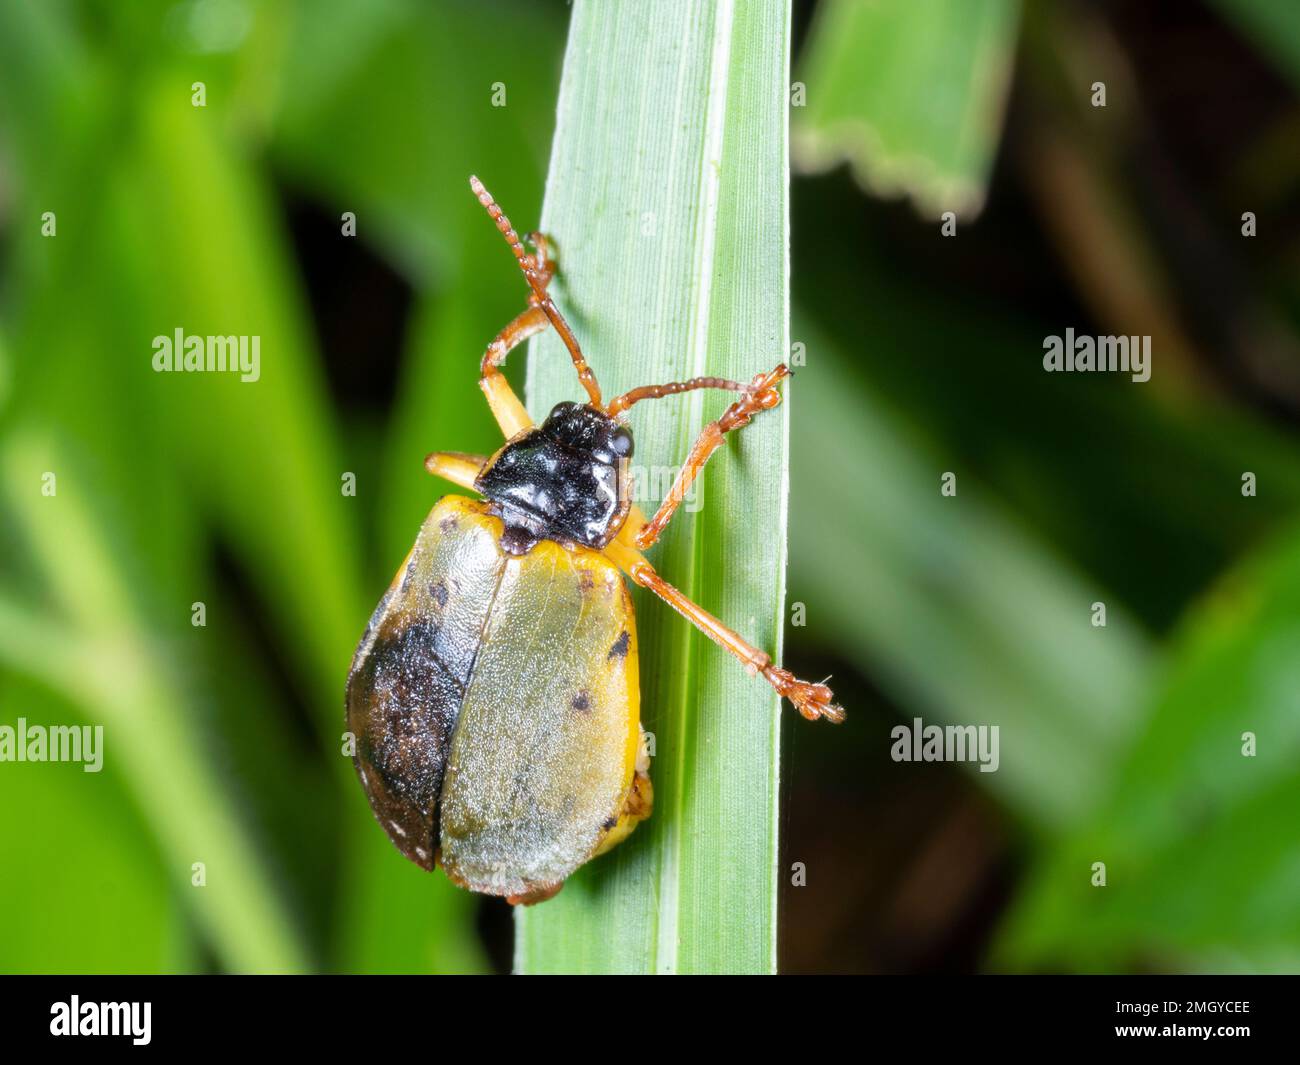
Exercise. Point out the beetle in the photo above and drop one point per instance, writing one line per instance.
(494, 696)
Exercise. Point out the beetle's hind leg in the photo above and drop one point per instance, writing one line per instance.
(813, 701)
(638, 805)
(536, 895)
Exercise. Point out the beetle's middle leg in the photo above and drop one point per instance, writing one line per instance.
(811, 700)
(455, 466)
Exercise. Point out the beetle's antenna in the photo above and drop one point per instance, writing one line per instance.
(619, 404)
(527, 263)
(537, 279)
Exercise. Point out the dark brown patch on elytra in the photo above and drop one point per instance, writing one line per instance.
(402, 706)
(581, 702)
(620, 645)
(449, 523)
(439, 592)
(586, 581)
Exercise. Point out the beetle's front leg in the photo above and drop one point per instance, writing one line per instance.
(510, 414)
(528, 323)
(759, 395)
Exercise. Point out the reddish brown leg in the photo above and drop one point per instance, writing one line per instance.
(529, 322)
(509, 412)
(537, 272)
(811, 700)
(532, 898)
(759, 395)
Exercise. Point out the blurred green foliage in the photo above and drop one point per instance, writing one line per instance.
(862, 72)
(1117, 748)
(167, 216)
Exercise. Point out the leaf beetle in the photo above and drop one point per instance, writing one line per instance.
(494, 695)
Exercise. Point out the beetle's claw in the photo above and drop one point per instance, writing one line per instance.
(813, 701)
(759, 395)
(542, 258)
(762, 389)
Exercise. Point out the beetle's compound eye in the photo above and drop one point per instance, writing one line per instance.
(561, 410)
(620, 442)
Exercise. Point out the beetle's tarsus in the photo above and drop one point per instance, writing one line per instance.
(813, 701)
(545, 261)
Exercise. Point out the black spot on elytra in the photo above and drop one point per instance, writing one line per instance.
(610, 823)
(439, 592)
(581, 702)
(449, 523)
(620, 645)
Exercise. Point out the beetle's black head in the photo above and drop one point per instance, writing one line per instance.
(563, 480)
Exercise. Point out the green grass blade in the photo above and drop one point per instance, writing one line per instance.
(667, 198)
(910, 94)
